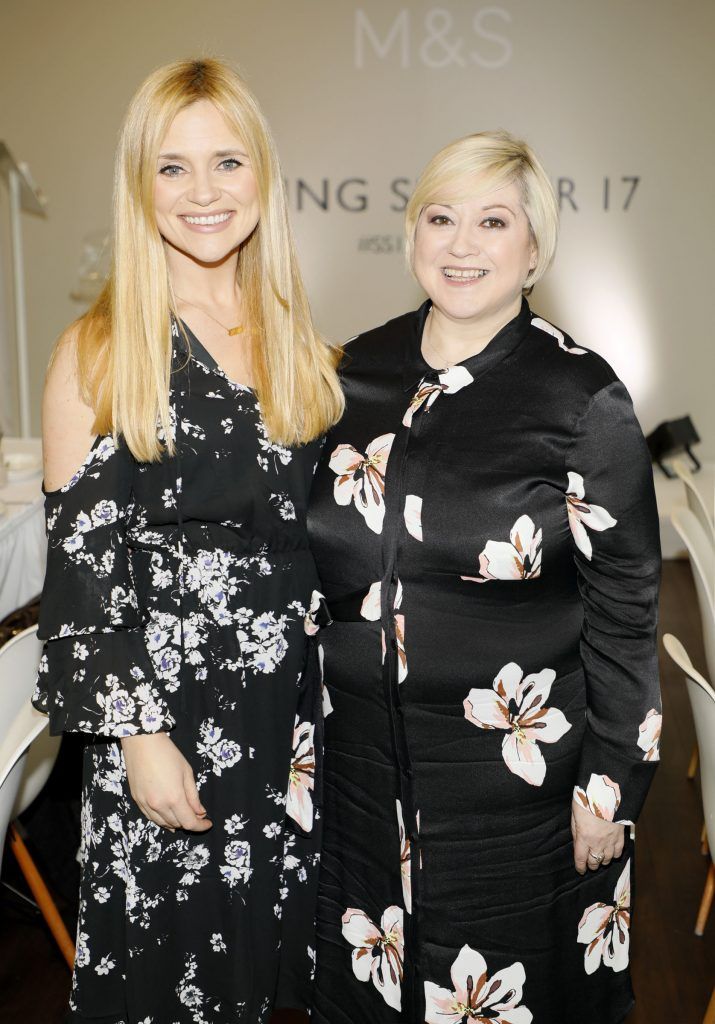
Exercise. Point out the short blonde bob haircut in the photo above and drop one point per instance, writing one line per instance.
(481, 163)
(124, 341)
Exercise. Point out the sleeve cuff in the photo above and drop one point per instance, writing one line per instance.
(609, 785)
(100, 683)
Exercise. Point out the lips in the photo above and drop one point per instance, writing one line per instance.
(207, 220)
(464, 273)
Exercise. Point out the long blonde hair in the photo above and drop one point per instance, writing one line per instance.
(124, 340)
(481, 163)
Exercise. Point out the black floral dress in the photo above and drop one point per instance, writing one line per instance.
(175, 599)
(487, 542)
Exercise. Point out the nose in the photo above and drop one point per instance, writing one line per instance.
(204, 190)
(464, 241)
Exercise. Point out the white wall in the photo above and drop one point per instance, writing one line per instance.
(369, 91)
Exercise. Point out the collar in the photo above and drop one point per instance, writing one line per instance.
(415, 368)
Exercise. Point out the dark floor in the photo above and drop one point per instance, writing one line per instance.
(673, 971)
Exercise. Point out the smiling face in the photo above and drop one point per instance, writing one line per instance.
(472, 258)
(205, 192)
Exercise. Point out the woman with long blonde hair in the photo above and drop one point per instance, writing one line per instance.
(179, 583)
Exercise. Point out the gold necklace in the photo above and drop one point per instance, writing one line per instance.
(238, 329)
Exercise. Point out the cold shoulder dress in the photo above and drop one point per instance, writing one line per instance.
(175, 599)
(487, 542)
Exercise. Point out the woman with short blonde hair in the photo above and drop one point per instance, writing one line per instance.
(484, 523)
(182, 419)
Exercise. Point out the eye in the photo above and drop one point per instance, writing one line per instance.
(170, 170)
(493, 222)
(439, 219)
(231, 163)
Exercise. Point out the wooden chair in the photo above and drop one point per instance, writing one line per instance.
(24, 770)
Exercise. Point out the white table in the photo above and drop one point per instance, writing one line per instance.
(23, 546)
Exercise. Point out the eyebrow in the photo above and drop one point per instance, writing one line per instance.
(494, 206)
(219, 153)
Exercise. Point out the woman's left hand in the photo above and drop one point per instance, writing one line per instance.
(595, 841)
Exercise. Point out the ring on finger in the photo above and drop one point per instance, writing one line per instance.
(596, 856)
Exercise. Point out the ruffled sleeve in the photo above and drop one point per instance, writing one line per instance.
(613, 517)
(95, 674)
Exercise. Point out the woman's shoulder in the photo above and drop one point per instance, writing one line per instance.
(565, 363)
(378, 344)
(67, 420)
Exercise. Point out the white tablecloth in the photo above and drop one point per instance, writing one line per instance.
(23, 546)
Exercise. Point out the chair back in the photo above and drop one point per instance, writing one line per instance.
(20, 723)
(702, 561)
(696, 502)
(702, 703)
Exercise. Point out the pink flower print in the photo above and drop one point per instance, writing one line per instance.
(582, 515)
(370, 607)
(379, 952)
(405, 860)
(649, 735)
(325, 692)
(310, 625)
(361, 478)
(519, 559)
(601, 797)
(449, 381)
(544, 325)
(301, 778)
(477, 997)
(517, 706)
(370, 610)
(604, 928)
(413, 516)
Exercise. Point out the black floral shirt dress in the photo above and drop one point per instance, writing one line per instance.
(176, 599)
(487, 542)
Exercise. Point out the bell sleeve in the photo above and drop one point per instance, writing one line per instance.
(95, 674)
(613, 517)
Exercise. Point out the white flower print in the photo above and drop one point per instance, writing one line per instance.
(604, 928)
(361, 478)
(649, 735)
(379, 952)
(449, 382)
(370, 607)
(310, 623)
(262, 639)
(105, 965)
(327, 702)
(516, 705)
(413, 516)
(582, 515)
(544, 325)
(519, 559)
(476, 996)
(299, 803)
(222, 752)
(237, 855)
(405, 860)
(601, 797)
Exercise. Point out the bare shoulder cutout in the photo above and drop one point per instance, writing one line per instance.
(67, 434)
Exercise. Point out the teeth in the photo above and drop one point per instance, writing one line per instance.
(215, 218)
(463, 275)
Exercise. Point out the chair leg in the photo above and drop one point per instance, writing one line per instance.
(709, 1017)
(693, 766)
(704, 845)
(42, 896)
(706, 901)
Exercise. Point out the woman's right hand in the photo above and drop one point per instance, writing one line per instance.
(162, 784)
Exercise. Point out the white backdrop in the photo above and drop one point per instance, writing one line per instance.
(615, 97)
